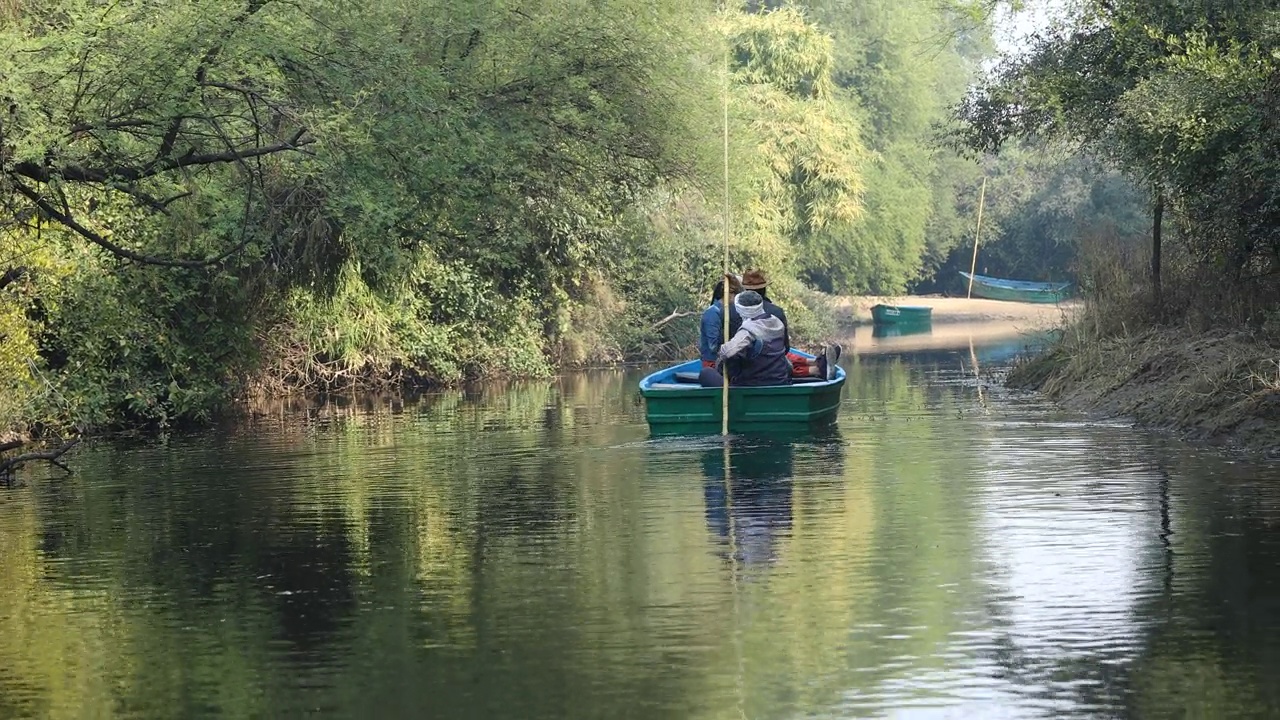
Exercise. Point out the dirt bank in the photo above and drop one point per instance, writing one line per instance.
(1221, 388)
(856, 310)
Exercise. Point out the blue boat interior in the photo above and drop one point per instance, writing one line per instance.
(685, 377)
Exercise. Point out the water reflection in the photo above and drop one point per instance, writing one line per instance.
(902, 330)
(752, 500)
(528, 551)
(993, 342)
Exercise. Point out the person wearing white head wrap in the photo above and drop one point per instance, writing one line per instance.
(757, 353)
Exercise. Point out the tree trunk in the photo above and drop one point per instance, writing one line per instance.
(1157, 221)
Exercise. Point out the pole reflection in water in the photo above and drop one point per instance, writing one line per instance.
(758, 495)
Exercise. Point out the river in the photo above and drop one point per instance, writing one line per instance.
(527, 551)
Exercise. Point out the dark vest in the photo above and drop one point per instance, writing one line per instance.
(770, 367)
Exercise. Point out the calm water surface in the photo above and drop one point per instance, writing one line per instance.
(950, 550)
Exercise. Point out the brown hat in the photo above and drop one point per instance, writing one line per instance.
(754, 280)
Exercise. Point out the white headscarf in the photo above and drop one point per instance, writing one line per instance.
(749, 312)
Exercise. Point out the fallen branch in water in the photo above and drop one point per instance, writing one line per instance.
(50, 456)
(675, 315)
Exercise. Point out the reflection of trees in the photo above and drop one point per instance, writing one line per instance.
(479, 552)
(917, 454)
(517, 552)
(877, 568)
(1070, 559)
(1199, 632)
(802, 528)
(1212, 650)
(50, 639)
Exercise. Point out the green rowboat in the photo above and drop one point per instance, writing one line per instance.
(676, 405)
(901, 314)
(1018, 290)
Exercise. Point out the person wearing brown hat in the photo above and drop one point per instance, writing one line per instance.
(712, 327)
(821, 367)
(755, 280)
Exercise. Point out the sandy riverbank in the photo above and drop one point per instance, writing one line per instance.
(864, 339)
(856, 310)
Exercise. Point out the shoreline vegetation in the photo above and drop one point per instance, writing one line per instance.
(235, 198)
(230, 199)
(1182, 330)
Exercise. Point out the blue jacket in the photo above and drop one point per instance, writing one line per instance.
(710, 337)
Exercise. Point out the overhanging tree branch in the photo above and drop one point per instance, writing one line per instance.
(50, 456)
(66, 219)
(76, 173)
(9, 277)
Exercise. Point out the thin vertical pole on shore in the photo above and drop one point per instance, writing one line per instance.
(724, 407)
(973, 266)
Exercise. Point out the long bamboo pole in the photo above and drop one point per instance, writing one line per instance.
(724, 407)
(973, 266)
(724, 414)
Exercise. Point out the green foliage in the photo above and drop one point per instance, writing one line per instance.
(807, 177)
(1181, 95)
(900, 64)
(433, 207)
(144, 345)
(442, 325)
(264, 196)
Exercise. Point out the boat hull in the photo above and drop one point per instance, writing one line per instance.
(673, 408)
(1018, 290)
(901, 314)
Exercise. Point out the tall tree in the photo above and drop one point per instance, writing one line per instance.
(807, 177)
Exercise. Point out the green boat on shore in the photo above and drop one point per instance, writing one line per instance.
(1018, 290)
(675, 404)
(901, 314)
